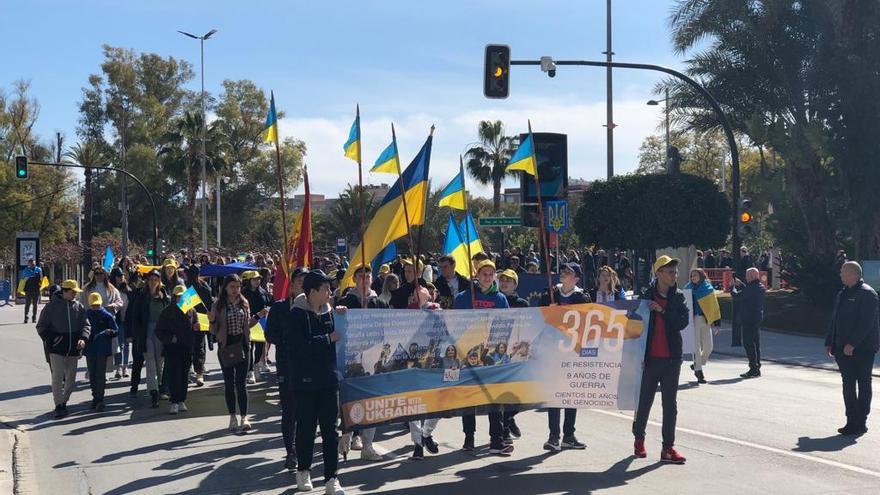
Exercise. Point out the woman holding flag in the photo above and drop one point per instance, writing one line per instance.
(175, 328)
(707, 314)
(259, 301)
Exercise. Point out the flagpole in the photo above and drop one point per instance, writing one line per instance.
(363, 212)
(412, 245)
(280, 184)
(467, 232)
(541, 215)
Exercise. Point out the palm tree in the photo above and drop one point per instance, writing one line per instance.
(343, 219)
(88, 154)
(487, 161)
(181, 152)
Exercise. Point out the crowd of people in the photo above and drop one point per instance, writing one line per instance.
(128, 322)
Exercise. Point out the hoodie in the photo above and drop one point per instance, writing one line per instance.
(309, 355)
(103, 329)
(490, 298)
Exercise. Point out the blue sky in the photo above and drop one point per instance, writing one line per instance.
(413, 62)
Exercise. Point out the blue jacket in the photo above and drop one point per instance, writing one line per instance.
(103, 330)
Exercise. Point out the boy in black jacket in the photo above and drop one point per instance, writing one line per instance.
(669, 316)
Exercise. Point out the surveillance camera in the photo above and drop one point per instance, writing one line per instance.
(548, 66)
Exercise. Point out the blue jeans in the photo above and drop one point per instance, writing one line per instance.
(122, 348)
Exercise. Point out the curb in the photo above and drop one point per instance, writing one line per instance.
(21, 462)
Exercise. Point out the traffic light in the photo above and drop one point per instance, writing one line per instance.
(162, 248)
(496, 72)
(151, 249)
(745, 220)
(21, 167)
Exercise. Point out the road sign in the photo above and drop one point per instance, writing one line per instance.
(557, 216)
(341, 246)
(500, 221)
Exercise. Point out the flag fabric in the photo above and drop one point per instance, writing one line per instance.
(109, 259)
(298, 248)
(387, 255)
(44, 283)
(388, 162)
(352, 147)
(705, 296)
(204, 322)
(258, 331)
(456, 246)
(189, 299)
(453, 194)
(270, 130)
(389, 222)
(469, 231)
(524, 157)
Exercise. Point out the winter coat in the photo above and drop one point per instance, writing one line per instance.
(749, 303)
(103, 329)
(308, 352)
(138, 315)
(855, 320)
(676, 316)
(175, 323)
(62, 324)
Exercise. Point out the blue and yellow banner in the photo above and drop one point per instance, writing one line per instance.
(402, 364)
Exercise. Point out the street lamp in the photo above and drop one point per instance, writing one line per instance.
(666, 111)
(204, 133)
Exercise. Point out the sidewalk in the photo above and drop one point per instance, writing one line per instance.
(784, 348)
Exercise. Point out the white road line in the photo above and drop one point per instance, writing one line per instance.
(774, 450)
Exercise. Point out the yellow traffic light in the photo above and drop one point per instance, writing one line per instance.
(745, 217)
(499, 71)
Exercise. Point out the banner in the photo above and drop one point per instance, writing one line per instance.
(402, 364)
(532, 286)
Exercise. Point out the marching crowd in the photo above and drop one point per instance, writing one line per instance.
(130, 321)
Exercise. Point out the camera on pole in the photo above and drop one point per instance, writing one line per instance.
(496, 71)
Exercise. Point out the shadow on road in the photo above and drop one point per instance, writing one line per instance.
(833, 443)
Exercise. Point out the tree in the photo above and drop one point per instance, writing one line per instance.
(648, 212)
(87, 154)
(487, 161)
(343, 219)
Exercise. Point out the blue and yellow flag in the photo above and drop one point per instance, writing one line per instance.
(389, 222)
(453, 194)
(387, 255)
(109, 259)
(352, 147)
(524, 157)
(388, 162)
(270, 130)
(704, 295)
(189, 299)
(469, 231)
(456, 246)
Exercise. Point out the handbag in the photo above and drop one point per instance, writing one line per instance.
(233, 354)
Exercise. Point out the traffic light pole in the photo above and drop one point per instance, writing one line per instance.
(722, 118)
(134, 178)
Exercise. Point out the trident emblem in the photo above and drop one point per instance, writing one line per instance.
(556, 213)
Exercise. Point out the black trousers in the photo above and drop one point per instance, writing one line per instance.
(235, 385)
(664, 372)
(137, 364)
(751, 340)
(177, 362)
(315, 407)
(255, 354)
(567, 427)
(509, 418)
(496, 426)
(288, 418)
(31, 299)
(97, 366)
(199, 352)
(855, 371)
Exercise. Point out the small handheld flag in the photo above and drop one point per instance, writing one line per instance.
(270, 130)
(352, 147)
(524, 157)
(453, 194)
(109, 259)
(388, 162)
(189, 299)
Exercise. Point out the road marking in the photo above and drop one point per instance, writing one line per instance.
(774, 450)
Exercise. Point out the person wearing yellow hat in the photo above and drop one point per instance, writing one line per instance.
(485, 296)
(508, 280)
(662, 365)
(170, 277)
(259, 301)
(379, 281)
(99, 347)
(65, 329)
(176, 331)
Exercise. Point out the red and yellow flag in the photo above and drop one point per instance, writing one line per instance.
(298, 248)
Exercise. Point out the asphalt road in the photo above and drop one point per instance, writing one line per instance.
(775, 434)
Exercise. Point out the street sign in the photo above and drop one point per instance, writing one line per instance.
(500, 221)
(341, 246)
(557, 216)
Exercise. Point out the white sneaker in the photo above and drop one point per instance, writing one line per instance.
(182, 406)
(245, 424)
(368, 453)
(233, 423)
(332, 487)
(200, 380)
(174, 409)
(356, 443)
(251, 378)
(304, 481)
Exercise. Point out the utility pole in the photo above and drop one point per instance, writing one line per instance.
(609, 124)
(124, 185)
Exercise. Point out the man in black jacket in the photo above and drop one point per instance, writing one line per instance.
(853, 340)
(199, 353)
(669, 316)
(450, 282)
(749, 302)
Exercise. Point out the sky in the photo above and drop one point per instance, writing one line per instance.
(414, 63)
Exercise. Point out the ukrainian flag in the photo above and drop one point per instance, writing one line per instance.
(469, 231)
(705, 296)
(389, 222)
(189, 299)
(270, 130)
(453, 194)
(388, 162)
(352, 147)
(524, 157)
(456, 246)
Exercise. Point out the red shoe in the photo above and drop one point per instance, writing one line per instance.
(670, 455)
(639, 448)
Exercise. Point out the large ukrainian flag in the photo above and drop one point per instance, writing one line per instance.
(456, 246)
(389, 222)
(705, 296)
(469, 231)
